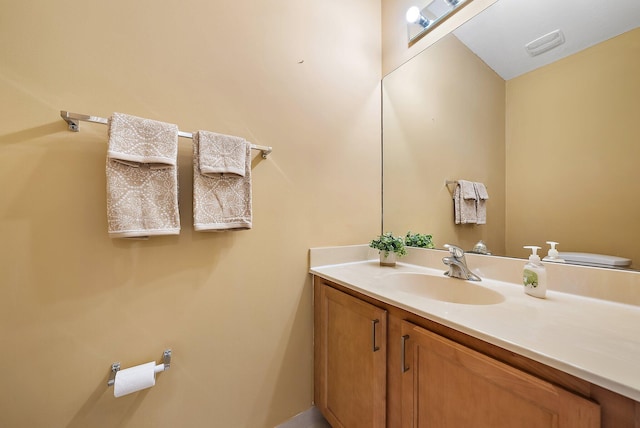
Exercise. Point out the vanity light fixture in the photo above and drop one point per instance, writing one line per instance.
(415, 16)
(421, 21)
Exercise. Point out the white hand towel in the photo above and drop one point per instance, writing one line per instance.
(481, 202)
(464, 198)
(221, 153)
(221, 202)
(142, 178)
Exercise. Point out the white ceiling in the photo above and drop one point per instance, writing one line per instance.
(498, 34)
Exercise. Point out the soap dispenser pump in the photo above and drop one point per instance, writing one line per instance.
(534, 276)
(553, 255)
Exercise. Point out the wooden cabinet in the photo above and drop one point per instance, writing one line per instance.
(378, 365)
(445, 384)
(350, 347)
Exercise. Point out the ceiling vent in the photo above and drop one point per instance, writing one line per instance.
(545, 43)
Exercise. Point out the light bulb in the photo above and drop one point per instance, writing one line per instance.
(413, 14)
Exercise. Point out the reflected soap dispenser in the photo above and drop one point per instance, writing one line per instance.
(534, 276)
(552, 255)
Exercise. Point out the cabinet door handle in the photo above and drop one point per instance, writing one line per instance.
(403, 340)
(373, 335)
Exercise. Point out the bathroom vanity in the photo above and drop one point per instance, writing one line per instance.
(408, 347)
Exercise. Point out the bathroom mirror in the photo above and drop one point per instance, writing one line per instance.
(554, 137)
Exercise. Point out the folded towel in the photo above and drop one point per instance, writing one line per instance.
(142, 178)
(464, 199)
(481, 202)
(221, 153)
(468, 189)
(141, 140)
(221, 202)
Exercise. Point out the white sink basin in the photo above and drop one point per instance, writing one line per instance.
(443, 288)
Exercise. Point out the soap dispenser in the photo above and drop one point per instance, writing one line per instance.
(552, 255)
(534, 276)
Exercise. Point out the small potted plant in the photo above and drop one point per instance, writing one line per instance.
(419, 240)
(390, 247)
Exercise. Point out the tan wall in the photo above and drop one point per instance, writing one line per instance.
(395, 48)
(572, 152)
(235, 307)
(443, 120)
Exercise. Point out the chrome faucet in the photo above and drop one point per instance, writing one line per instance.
(458, 264)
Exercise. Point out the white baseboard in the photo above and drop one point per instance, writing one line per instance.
(308, 419)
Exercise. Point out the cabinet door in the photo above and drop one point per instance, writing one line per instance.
(445, 384)
(350, 359)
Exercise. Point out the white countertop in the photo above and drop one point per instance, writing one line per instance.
(592, 339)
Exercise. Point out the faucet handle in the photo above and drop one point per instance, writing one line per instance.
(456, 252)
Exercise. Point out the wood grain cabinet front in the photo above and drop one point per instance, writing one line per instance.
(350, 347)
(445, 384)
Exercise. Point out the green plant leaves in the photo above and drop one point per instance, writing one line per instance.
(388, 243)
(419, 240)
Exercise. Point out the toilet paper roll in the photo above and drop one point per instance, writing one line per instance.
(134, 379)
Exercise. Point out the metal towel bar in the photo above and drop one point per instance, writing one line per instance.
(74, 119)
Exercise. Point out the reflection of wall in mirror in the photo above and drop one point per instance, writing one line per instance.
(573, 152)
(443, 119)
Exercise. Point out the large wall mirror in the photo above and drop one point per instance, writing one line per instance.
(555, 137)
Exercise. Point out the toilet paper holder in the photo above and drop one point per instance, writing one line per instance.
(115, 367)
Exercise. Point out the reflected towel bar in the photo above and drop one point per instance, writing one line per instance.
(450, 182)
(453, 183)
(74, 119)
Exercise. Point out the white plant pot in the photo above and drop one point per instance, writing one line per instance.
(389, 260)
